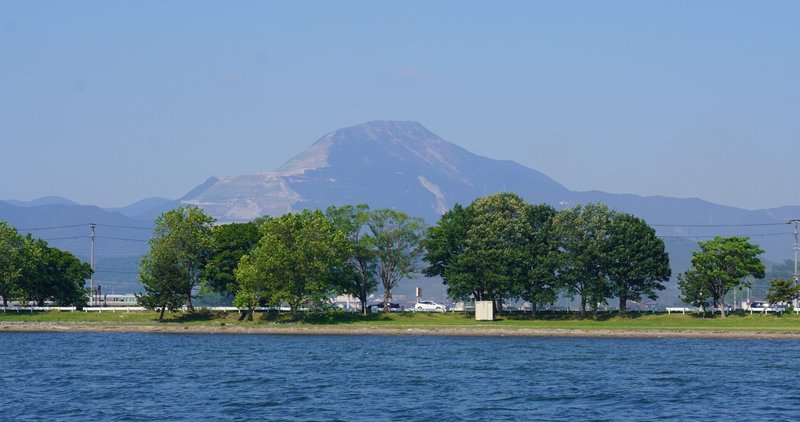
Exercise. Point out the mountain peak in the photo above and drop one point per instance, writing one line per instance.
(360, 143)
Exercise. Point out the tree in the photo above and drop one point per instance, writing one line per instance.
(539, 285)
(396, 244)
(499, 247)
(445, 247)
(782, 290)
(179, 250)
(297, 260)
(163, 282)
(229, 242)
(583, 233)
(51, 274)
(694, 291)
(637, 260)
(359, 279)
(721, 264)
(12, 260)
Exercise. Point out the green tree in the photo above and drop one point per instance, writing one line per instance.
(782, 290)
(298, 259)
(694, 291)
(359, 279)
(51, 274)
(12, 260)
(540, 283)
(229, 242)
(583, 233)
(497, 248)
(163, 282)
(445, 247)
(396, 244)
(179, 250)
(721, 264)
(637, 260)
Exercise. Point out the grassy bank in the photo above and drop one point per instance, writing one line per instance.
(409, 320)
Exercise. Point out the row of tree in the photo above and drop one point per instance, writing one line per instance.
(32, 271)
(498, 248)
(298, 258)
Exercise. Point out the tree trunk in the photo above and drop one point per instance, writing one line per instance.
(5, 301)
(189, 302)
(623, 305)
(386, 296)
(363, 306)
(583, 307)
(161, 315)
(722, 308)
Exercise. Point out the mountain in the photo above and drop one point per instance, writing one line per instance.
(386, 164)
(147, 209)
(403, 165)
(398, 165)
(45, 200)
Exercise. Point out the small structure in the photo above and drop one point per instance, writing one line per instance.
(484, 310)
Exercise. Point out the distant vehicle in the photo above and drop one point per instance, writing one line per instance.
(378, 306)
(765, 307)
(429, 306)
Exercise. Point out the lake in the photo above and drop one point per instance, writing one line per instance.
(137, 376)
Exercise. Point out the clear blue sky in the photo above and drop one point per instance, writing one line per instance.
(110, 102)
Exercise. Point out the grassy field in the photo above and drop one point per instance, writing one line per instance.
(789, 323)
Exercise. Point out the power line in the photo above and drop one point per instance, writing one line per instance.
(690, 236)
(64, 238)
(53, 228)
(719, 225)
(122, 238)
(125, 227)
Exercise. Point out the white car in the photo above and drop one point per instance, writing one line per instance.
(429, 306)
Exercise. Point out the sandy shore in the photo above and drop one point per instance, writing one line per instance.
(431, 331)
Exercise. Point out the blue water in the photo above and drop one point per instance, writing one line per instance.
(104, 376)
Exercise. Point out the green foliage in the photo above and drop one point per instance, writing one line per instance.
(721, 264)
(298, 260)
(359, 277)
(395, 242)
(179, 250)
(583, 233)
(229, 242)
(50, 274)
(12, 260)
(637, 260)
(499, 247)
(782, 290)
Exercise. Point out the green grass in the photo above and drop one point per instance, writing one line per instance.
(762, 323)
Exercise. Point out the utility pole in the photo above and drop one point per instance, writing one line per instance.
(795, 222)
(91, 263)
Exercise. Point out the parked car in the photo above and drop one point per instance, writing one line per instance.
(378, 306)
(429, 306)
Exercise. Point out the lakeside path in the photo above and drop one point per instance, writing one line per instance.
(429, 330)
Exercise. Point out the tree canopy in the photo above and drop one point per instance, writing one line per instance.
(359, 278)
(229, 242)
(396, 247)
(179, 250)
(298, 259)
(721, 264)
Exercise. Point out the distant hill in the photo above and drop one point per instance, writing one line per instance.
(45, 200)
(147, 209)
(119, 243)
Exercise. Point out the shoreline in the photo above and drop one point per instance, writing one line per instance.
(166, 328)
